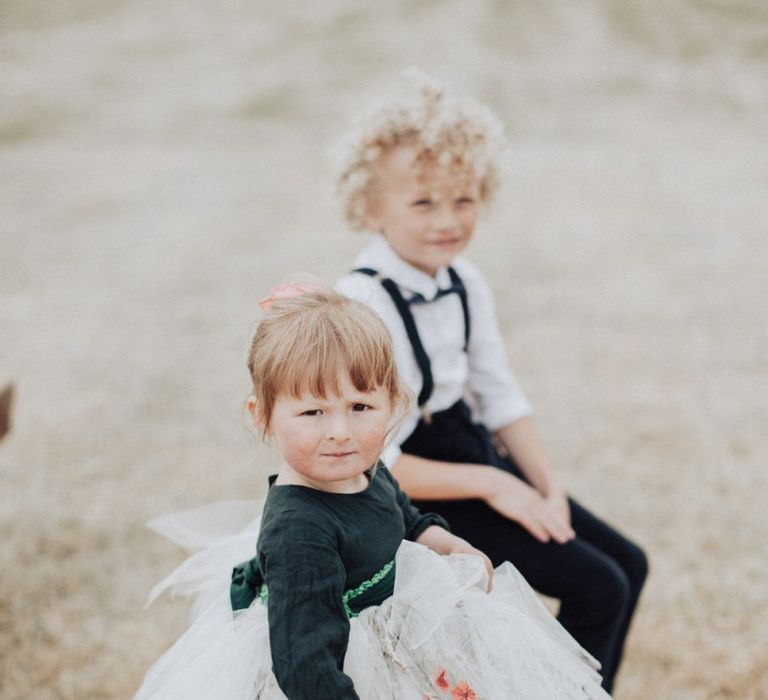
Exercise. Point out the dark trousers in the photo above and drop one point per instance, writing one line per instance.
(597, 576)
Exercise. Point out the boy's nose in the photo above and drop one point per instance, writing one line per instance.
(445, 218)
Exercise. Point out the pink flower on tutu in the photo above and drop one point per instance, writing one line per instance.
(285, 291)
(441, 679)
(463, 692)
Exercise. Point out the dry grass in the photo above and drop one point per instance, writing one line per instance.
(163, 165)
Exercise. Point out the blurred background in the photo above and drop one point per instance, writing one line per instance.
(164, 164)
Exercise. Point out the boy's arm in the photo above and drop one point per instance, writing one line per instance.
(429, 479)
(522, 443)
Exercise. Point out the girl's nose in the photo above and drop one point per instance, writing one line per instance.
(338, 428)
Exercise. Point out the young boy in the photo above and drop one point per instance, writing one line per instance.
(417, 173)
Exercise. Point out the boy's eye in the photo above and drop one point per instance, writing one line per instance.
(422, 202)
(360, 407)
(465, 200)
(311, 412)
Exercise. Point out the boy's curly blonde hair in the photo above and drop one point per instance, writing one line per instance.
(445, 131)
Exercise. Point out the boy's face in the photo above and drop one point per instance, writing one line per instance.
(428, 216)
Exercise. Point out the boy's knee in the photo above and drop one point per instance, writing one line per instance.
(603, 595)
(615, 589)
(636, 566)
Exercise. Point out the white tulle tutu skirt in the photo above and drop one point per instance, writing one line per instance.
(440, 635)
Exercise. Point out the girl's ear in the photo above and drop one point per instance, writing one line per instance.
(256, 416)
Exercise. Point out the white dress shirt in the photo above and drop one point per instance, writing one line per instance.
(481, 375)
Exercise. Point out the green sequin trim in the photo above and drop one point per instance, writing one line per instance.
(364, 586)
(379, 576)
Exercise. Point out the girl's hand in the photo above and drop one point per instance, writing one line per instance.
(444, 542)
(464, 547)
(544, 518)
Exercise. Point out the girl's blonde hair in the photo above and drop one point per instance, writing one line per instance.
(305, 343)
(444, 131)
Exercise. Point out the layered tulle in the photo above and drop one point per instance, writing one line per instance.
(440, 635)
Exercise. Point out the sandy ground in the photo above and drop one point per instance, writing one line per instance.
(163, 164)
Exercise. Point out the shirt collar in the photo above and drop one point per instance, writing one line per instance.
(380, 256)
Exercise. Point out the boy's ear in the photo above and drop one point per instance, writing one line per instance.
(370, 213)
(371, 222)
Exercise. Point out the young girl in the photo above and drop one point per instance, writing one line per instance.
(348, 596)
(417, 172)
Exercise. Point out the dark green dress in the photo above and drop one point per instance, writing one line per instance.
(313, 547)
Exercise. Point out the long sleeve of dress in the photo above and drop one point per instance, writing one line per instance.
(415, 521)
(308, 628)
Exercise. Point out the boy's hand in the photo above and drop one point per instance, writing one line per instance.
(558, 501)
(545, 518)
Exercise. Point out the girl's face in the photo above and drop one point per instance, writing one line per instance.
(327, 443)
(428, 218)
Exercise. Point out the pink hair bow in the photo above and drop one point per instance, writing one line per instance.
(285, 291)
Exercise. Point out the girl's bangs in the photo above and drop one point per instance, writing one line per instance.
(318, 369)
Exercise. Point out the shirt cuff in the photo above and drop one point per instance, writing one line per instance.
(425, 521)
(499, 415)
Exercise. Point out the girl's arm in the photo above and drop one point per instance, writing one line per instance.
(308, 627)
(429, 479)
(431, 529)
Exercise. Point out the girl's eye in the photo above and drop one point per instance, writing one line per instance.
(360, 407)
(422, 203)
(311, 412)
(465, 200)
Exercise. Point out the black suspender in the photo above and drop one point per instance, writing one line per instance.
(458, 286)
(403, 308)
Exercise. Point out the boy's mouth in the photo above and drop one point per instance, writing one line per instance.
(337, 454)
